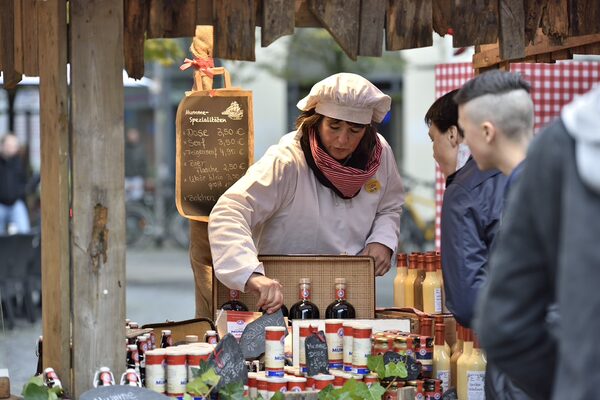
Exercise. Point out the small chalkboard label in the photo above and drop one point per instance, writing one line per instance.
(252, 341)
(228, 361)
(121, 392)
(215, 145)
(317, 361)
(391, 357)
(413, 368)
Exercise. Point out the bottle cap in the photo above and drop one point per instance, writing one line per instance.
(166, 332)
(304, 280)
(402, 260)
(340, 280)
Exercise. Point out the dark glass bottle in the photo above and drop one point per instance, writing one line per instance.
(39, 352)
(340, 308)
(234, 303)
(304, 309)
(284, 310)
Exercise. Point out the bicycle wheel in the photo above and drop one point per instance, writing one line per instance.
(139, 224)
(179, 230)
(411, 237)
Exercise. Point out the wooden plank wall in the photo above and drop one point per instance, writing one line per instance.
(98, 230)
(54, 170)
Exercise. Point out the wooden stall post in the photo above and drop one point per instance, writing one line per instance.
(98, 203)
(200, 257)
(54, 170)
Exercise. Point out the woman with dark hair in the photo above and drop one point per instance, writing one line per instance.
(330, 187)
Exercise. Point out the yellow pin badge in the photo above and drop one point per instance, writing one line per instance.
(373, 186)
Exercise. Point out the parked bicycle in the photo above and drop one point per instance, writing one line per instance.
(142, 226)
(417, 228)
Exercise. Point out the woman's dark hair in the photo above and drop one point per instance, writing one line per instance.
(311, 119)
(443, 113)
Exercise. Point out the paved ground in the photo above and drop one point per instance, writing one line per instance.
(159, 287)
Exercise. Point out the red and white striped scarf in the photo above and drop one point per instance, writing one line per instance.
(347, 180)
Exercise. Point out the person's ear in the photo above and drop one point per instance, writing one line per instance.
(489, 132)
(453, 136)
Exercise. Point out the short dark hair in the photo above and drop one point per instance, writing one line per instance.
(491, 82)
(443, 113)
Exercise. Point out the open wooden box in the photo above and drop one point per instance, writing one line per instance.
(359, 272)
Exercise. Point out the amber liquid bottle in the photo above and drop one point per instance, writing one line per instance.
(234, 303)
(409, 282)
(463, 363)
(457, 351)
(441, 358)
(340, 308)
(304, 308)
(418, 285)
(432, 287)
(401, 273)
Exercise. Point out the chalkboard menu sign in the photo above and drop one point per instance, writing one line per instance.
(215, 146)
(317, 361)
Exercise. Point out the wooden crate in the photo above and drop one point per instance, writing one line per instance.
(359, 272)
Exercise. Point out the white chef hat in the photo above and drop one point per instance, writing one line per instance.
(347, 97)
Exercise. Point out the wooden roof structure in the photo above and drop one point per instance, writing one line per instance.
(516, 30)
(82, 171)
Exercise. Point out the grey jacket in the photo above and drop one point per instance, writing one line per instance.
(547, 258)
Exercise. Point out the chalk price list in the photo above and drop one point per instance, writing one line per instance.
(211, 158)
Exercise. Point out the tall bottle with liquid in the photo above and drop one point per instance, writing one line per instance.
(475, 377)
(401, 273)
(304, 308)
(441, 358)
(463, 363)
(457, 350)
(409, 282)
(340, 308)
(234, 303)
(432, 287)
(440, 274)
(418, 285)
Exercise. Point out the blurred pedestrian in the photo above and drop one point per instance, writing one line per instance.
(136, 169)
(546, 264)
(14, 217)
(496, 115)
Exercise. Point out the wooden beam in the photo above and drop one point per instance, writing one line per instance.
(543, 44)
(584, 17)
(30, 37)
(277, 20)
(442, 16)
(54, 171)
(555, 20)
(339, 17)
(512, 34)
(172, 18)
(409, 24)
(136, 21)
(234, 24)
(533, 16)
(372, 25)
(475, 22)
(98, 202)
(7, 48)
(18, 35)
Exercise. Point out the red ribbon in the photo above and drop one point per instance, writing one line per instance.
(203, 65)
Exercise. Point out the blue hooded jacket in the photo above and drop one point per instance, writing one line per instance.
(471, 213)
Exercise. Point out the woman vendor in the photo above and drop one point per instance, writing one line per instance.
(330, 187)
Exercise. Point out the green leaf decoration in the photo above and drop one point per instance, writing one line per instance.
(203, 383)
(376, 364)
(278, 396)
(327, 393)
(35, 389)
(396, 370)
(210, 377)
(187, 396)
(376, 391)
(232, 391)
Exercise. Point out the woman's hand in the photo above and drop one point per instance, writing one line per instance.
(270, 292)
(382, 255)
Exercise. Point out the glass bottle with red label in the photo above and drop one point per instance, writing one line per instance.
(234, 303)
(304, 308)
(340, 308)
